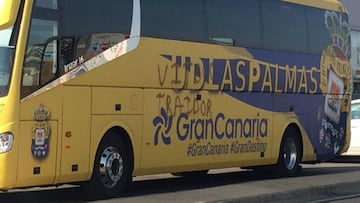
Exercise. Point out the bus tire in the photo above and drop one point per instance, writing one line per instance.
(112, 170)
(289, 156)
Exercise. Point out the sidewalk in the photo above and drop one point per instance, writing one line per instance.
(300, 189)
(353, 151)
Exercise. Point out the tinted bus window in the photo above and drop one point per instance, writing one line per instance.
(182, 20)
(88, 17)
(319, 36)
(233, 19)
(88, 28)
(284, 26)
(51, 4)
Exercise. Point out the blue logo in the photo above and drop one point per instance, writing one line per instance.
(162, 124)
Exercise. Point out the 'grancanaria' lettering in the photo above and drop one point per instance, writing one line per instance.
(220, 127)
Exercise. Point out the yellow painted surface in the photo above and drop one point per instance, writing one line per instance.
(75, 136)
(9, 115)
(200, 144)
(8, 12)
(324, 4)
(121, 101)
(27, 163)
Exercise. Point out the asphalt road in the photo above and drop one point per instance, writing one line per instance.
(318, 181)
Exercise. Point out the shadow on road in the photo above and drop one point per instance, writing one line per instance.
(169, 184)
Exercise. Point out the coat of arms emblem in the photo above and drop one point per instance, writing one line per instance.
(40, 133)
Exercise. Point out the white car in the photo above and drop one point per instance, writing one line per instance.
(354, 148)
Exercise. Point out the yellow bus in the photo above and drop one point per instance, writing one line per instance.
(97, 92)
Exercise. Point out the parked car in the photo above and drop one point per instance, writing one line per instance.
(354, 148)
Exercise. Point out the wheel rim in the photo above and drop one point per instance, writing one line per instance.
(111, 167)
(290, 155)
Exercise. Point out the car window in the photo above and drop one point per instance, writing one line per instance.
(355, 106)
(355, 114)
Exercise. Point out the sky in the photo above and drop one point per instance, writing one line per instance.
(353, 7)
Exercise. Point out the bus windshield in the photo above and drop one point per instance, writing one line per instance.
(6, 57)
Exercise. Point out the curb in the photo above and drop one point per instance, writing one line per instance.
(347, 159)
(301, 195)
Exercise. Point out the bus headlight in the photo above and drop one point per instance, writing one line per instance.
(6, 142)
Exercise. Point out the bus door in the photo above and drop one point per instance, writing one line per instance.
(39, 113)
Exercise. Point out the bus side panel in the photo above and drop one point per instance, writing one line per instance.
(31, 170)
(75, 137)
(119, 108)
(38, 138)
(197, 130)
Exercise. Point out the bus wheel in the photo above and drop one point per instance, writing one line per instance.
(111, 171)
(289, 156)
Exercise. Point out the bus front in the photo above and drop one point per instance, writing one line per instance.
(9, 91)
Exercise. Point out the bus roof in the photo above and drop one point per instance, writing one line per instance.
(324, 4)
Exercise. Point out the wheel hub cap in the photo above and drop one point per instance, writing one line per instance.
(111, 167)
(290, 156)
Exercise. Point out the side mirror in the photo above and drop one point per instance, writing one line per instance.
(8, 12)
